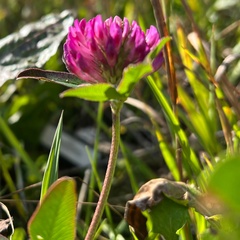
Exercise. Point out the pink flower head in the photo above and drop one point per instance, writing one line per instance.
(98, 51)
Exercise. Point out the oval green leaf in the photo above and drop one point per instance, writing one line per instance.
(94, 92)
(131, 76)
(167, 218)
(54, 218)
(224, 182)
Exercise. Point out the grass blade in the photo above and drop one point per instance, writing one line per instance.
(51, 171)
(189, 158)
(18, 147)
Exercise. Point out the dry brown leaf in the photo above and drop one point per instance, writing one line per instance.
(4, 224)
(150, 194)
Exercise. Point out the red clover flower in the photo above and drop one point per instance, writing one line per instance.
(97, 51)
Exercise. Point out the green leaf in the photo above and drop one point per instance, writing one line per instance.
(19, 234)
(159, 47)
(63, 78)
(54, 218)
(131, 76)
(167, 218)
(225, 182)
(51, 171)
(94, 92)
(33, 45)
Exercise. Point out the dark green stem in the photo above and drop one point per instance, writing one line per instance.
(116, 108)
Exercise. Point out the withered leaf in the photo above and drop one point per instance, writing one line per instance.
(148, 196)
(4, 224)
(2, 237)
(136, 220)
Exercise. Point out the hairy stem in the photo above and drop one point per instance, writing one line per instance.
(116, 108)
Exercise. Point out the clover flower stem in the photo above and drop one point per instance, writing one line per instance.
(116, 107)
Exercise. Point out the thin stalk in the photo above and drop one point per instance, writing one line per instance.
(167, 51)
(94, 176)
(169, 63)
(116, 108)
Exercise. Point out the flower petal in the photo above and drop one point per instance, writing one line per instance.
(98, 51)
